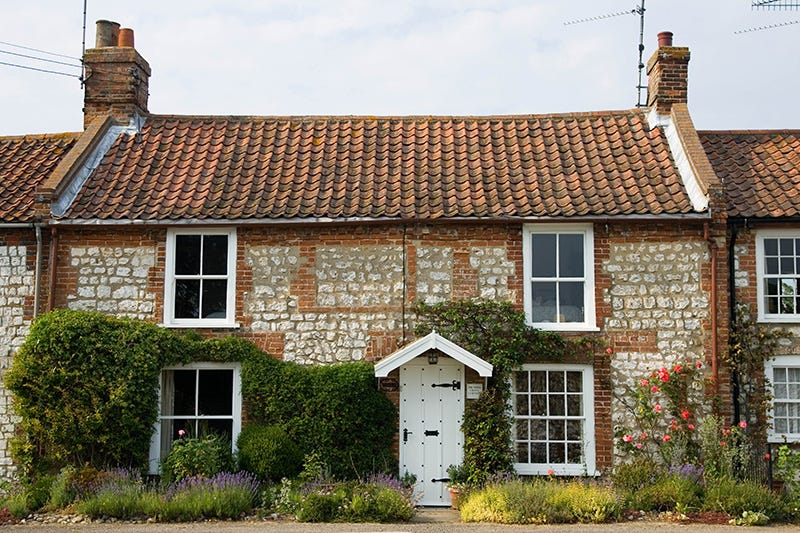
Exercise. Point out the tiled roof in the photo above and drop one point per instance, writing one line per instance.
(592, 164)
(760, 170)
(25, 162)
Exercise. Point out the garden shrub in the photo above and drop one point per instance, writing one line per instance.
(197, 456)
(667, 493)
(85, 387)
(334, 411)
(268, 452)
(378, 499)
(734, 497)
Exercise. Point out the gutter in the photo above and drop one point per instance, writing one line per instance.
(37, 276)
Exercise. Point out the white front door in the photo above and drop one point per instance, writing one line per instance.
(431, 409)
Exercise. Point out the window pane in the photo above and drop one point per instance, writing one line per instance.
(574, 405)
(557, 452)
(556, 430)
(538, 381)
(538, 405)
(544, 255)
(556, 405)
(779, 374)
(571, 298)
(544, 301)
(215, 298)
(183, 382)
(215, 254)
(522, 452)
(521, 405)
(187, 254)
(570, 256)
(187, 298)
(771, 286)
(771, 265)
(556, 382)
(521, 381)
(787, 265)
(771, 246)
(574, 381)
(780, 391)
(786, 246)
(574, 430)
(223, 428)
(574, 453)
(215, 392)
(538, 452)
(522, 430)
(538, 429)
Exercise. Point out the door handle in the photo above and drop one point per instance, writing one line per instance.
(406, 433)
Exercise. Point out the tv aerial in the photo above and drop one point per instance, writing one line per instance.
(772, 5)
(638, 10)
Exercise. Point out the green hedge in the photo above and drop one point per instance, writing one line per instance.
(85, 388)
(333, 411)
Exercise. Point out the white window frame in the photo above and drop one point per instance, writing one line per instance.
(589, 320)
(588, 465)
(169, 281)
(780, 361)
(763, 316)
(155, 441)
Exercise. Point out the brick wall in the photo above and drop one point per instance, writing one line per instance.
(322, 294)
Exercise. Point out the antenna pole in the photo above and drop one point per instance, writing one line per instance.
(639, 87)
(83, 45)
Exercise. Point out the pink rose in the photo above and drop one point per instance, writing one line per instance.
(678, 369)
(181, 433)
(638, 445)
(767, 457)
(551, 472)
(690, 426)
(657, 408)
(645, 382)
(609, 351)
(644, 435)
(699, 365)
(686, 414)
(743, 424)
(666, 438)
(654, 389)
(722, 443)
(627, 438)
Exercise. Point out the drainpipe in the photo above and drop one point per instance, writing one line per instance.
(712, 244)
(51, 296)
(732, 298)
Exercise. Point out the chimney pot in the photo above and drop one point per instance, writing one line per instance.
(665, 39)
(126, 37)
(107, 33)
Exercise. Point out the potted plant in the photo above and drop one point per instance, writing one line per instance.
(459, 480)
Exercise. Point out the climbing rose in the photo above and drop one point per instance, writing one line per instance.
(690, 426)
(181, 433)
(654, 389)
(722, 443)
(627, 438)
(678, 369)
(666, 438)
(645, 383)
(686, 414)
(638, 445)
(657, 408)
(609, 351)
(644, 435)
(699, 365)
(743, 424)
(663, 374)
(767, 457)
(551, 472)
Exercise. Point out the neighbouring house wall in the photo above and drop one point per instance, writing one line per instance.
(17, 271)
(746, 280)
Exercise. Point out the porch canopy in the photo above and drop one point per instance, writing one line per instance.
(432, 341)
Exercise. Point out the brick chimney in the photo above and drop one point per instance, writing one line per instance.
(667, 75)
(117, 77)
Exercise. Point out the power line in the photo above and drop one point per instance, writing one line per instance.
(40, 70)
(40, 51)
(40, 59)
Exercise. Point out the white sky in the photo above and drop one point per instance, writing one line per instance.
(406, 57)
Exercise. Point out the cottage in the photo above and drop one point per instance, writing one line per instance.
(315, 237)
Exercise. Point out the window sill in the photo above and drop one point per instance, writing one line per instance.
(558, 470)
(783, 439)
(552, 326)
(202, 325)
(779, 319)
